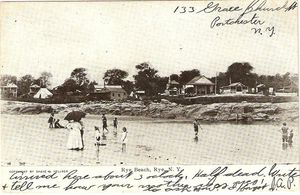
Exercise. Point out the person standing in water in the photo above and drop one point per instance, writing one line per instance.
(284, 130)
(124, 139)
(104, 123)
(81, 132)
(115, 124)
(51, 120)
(290, 138)
(196, 127)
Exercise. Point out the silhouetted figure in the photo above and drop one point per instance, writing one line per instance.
(124, 139)
(284, 130)
(57, 125)
(51, 120)
(290, 138)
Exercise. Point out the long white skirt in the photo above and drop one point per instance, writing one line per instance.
(74, 140)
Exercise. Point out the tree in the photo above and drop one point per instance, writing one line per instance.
(79, 75)
(128, 86)
(45, 78)
(115, 76)
(146, 78)
(91, 86)
(69, 85)
(188, 75)
(174, 77)
(7, 79)
(24, 84)
(241, 72)
(161, 83)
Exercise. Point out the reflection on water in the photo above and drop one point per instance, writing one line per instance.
(286, 145)
(196, 139)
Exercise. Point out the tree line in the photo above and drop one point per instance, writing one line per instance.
(148, 79)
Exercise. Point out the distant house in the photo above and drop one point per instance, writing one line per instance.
(33, 89)
(112, 92)
(261, 88)
(139, 95)
(200, 85)
(43, 93)
(234, 88)
(9, 90)
(291, 88)
(173, 88)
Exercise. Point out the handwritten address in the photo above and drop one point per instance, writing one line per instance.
(249, 15)
(155, 179)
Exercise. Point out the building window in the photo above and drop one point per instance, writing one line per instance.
(113, 94)
(119, 95)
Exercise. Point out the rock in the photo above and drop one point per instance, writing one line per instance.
(116, 112)
(248, 109)
(173, 104)
(30, 110)
(210, 113)
(164, 101)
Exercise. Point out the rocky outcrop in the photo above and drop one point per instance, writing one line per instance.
(210, 112)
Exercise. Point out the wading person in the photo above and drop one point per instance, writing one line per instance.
(104, 123)
(196, 128)
(51, 120)
(124, 139)
(284, 130)
(57, 125)
(97, 138)
(290, 137)
(115, 124)
(74, 139)
(81, 132)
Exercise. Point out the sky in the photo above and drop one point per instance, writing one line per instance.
(58, 37)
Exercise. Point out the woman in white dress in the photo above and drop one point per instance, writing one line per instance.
(74, 139)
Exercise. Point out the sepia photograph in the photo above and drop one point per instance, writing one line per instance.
(146, 83)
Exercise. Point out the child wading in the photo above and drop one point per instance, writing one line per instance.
(104, 123)
(284, 130)
(97, 142)
(124, 139)
(115, 124)
(196, 127)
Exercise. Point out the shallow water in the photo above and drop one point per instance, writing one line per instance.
(27, 140)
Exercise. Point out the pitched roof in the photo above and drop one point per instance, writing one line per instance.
(109, 88)
(34, 86)
(260, 85)
(237, 84)
(200, 80)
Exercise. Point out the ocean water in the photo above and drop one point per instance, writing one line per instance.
(26, 140)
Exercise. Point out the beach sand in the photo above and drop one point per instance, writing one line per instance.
(27, 140)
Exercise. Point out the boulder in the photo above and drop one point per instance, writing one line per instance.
(164, 101)
(211, 113)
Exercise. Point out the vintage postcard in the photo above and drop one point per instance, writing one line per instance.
(156, 96)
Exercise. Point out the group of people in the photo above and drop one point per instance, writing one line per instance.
(100, 136)
(76, 132)
(54, 123)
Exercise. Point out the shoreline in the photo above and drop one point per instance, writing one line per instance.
(217, 112)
